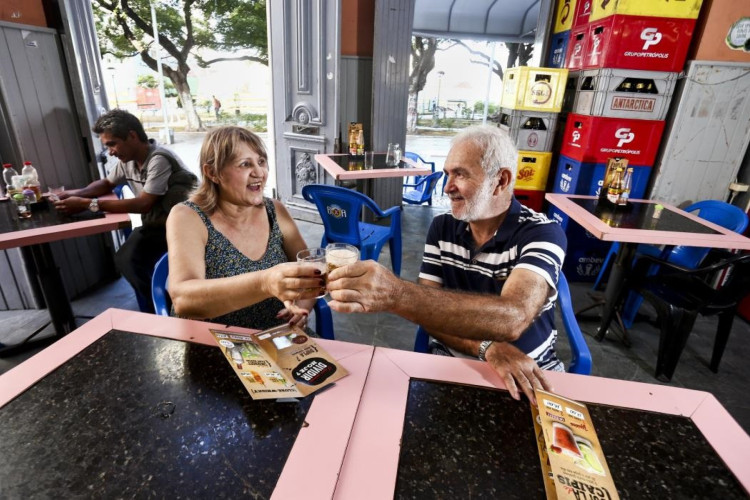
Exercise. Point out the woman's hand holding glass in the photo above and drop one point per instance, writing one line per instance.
(296, 285)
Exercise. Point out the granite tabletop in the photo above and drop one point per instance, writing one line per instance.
(140, 416)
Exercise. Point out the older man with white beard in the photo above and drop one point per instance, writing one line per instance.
(488, 282)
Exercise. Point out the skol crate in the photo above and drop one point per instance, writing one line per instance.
(532, 199)
(576, 50)
(619, 93)
(582, 13)
(533, 170)
(530, 130)
(576, 177)
(638, 42)
(534, 89)
(683, 9)
(564, 14)
(595, 138)
(558, 47)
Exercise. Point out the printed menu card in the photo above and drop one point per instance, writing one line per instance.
(282, 362)
(572, 460)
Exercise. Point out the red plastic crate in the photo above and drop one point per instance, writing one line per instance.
(638, 42)
(583, 10)
(596, 138)
(576, 50)
(532, 199)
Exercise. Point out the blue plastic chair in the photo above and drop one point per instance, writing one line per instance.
(423, 190)
(163, 304)
(718, 212)
(341, 208)
(411, 182)
(580, 362)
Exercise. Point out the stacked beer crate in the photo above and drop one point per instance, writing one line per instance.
(531, 101)
(625, 57)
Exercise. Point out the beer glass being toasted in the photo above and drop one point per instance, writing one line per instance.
(340, 254)
(317, 257)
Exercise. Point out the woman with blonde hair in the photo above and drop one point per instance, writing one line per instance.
(232, 251)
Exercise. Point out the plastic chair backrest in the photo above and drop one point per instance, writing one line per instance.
(718, 212)
(340, 210)
(159, 293)
(580, 354)
(418, 159)
(425, 187)
(580, 362)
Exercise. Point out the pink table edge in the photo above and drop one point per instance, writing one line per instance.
(330, 418)
(339, 173)
(727, 238)
(384, 402)
(25, 237)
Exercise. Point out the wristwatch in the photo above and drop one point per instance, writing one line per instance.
(483, 346)
(94, 205)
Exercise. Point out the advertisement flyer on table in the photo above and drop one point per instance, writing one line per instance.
(282, 362)
(569, 450)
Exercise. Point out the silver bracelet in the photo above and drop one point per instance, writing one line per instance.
(483, 346)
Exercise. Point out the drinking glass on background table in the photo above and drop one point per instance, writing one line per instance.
(393, 156)
(369, 160)
(316, 256)
(54, 192)
(340, 254)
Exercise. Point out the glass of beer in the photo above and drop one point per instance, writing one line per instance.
(340, 254)
(317, 257)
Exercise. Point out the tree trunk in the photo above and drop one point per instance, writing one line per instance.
(183, 89)
(411, 118)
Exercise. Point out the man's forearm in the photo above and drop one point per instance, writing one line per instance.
(470, 315)
(93, 190)
(466, 346)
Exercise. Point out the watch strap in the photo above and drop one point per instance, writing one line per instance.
(483, 346)
(94, 205)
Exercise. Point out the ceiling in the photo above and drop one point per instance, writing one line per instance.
(501, 20)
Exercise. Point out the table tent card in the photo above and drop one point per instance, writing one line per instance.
(281, 362)
(572, 460)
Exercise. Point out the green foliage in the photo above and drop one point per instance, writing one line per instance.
(491, 108)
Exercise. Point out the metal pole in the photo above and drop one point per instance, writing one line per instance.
(157, 49)
(489, 83)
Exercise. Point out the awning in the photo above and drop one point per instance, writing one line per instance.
(500, 20)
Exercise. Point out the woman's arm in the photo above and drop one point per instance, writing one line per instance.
(194, 296)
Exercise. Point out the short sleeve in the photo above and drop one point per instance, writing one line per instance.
(157, 177)
(542, 250)
(432, 268)
(117, 175)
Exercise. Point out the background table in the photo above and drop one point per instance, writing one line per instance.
(637, 225)
(132, 402)
(343, 167)
(47, 225)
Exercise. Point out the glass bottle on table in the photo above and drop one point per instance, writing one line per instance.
(615, 188)
(8, 173)
(627, 182)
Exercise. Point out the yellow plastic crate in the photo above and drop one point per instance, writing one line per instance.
(533, 170)
(534, 89)
(684, 9)
(564, 14)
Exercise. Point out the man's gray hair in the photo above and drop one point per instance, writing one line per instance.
(499, 150)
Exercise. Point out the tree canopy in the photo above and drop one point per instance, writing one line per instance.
(189, 30)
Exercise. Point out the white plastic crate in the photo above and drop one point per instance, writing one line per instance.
(530, 130)
(624, 93)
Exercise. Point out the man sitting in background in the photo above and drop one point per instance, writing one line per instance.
(487, 285)
(159, 181)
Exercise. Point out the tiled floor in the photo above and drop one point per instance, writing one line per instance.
(611, 358)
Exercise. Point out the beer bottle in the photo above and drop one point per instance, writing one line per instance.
(609, 175)
(627, 181)
(615, 188)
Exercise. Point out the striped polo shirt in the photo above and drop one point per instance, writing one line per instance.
(525, 240)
